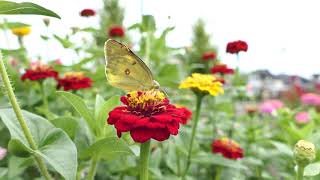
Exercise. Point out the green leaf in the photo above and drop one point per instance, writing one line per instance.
(89, 29)
(80, 106)
(148, 23)
(44, 37)
(9, 8)
(104, 109)
(17, 148)
(11, 25)
(65, 42)
(68, 124)
(108, 149)
(312, 169)
(283, 148)
(213, 159)
(98, 103)
(17, 165)
(53, 144)
(3, 172)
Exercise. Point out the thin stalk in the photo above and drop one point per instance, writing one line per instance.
(218, 173)
(300, 173)
(93, 168)
(193, 133)
(44, 96)
(178, 163)
(144, 160)
(22, 122)
(147, 50)
(6, 33)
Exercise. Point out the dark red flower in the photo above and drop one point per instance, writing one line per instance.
(146, 115)
(236, 46)
(228, 148)
(116, 31)
(74, 81)
(39, 71)
(222, 69)
(209, 56)
(87, 12)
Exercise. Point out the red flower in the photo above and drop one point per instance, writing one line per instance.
(146, 115)
(87, 12)
(74, 81)
(222, 69)
(236, 46)
(228, 148)
(116, 31)
(208, 56)
(39, 71)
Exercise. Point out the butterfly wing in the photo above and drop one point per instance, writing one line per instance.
(124, 69)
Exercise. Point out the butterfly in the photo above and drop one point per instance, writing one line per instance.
(125, 70)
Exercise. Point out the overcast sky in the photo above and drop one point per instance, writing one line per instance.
(283, 35)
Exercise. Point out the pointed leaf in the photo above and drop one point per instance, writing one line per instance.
(312, 169)
(105, 108)
(53, 144)
(80, 106)
(212, 159)
(7, 7)
(107, 148)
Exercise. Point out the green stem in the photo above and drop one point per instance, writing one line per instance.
(300, 173)
(5, 24)
(218, 173)
(193, 133)
(178, 163)
(22, 122)
(44, 96)
(20, 40)
(144, 160)
(93, 168)
(147, 50)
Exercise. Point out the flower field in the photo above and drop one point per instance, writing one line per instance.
(129, 106)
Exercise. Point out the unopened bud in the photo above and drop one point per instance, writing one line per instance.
(304, 153)
(46, 21)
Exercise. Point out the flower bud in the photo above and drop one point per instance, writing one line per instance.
(46, 21)
(304, 153)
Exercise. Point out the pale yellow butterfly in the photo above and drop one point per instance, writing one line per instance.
(125, 70)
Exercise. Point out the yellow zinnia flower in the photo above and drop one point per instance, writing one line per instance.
(21, 31)
(206, 83)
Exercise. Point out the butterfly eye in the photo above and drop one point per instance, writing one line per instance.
(127, 71)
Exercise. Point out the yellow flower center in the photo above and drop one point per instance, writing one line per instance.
(230, 144)
(76, 75)
(146, 102)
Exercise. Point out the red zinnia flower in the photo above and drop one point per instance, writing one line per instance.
(39, 71)
(146, 115)
(74, 81)
(228, 148)
(236, 46)
(208, 56)
(222, 69)
(87, 12)
(116, 31)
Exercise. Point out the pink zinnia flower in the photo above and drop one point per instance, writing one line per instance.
(3, 153)
(302, 117)
(311, 99)
(269, 106)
